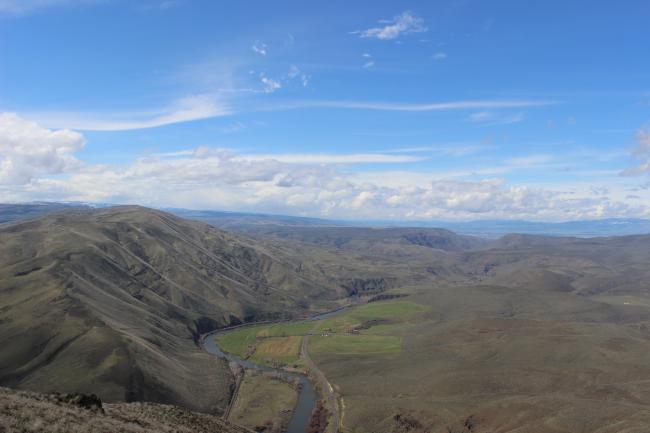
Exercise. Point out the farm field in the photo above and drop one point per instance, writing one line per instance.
(355, 344)
(359, 330)
(263, 401)
(283, 350)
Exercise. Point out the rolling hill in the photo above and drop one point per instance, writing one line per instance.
(111, 301)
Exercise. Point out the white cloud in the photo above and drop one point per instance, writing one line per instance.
(28, 150)
(321, 158)
(205, 106)
(402, 24)
(18, 7)
(305, 184)
(296, 73)
(642, 153)
(369, 64)
(436, 106)
(449, 149)
(481, 116)
(512, 118)
(270, 85)
(528, 160)
(259, 48)
(440, 55)
(489, 118)
(189, 108)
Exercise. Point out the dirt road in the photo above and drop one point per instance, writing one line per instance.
(331, 401)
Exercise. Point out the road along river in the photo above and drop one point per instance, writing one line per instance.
(307, 395)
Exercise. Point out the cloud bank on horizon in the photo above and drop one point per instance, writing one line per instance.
(435, 112)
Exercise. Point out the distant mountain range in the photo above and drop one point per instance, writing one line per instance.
(242, 221)
(482, 228)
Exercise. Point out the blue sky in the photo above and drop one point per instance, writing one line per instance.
(459, 109)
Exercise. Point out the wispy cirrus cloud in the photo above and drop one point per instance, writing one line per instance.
(435, 106)
(323, 158)
(642, 153)
(187, 109)
(19, 7)
(402, 24)
(448, 149)
(206, 106)
(489, 118)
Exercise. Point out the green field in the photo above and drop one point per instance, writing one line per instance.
(238, 342)
(285, 329)
(393, 312)
(364, 330)
(267, 344)
(356, 344)
(263, 401)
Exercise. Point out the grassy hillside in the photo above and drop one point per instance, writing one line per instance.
(110, 301)
(543, 335)
(525, 333)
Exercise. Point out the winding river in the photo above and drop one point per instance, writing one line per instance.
(307, 395)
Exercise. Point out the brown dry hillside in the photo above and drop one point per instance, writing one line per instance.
(28, 412)
(110, 301)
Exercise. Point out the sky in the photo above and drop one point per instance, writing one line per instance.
(411, 110)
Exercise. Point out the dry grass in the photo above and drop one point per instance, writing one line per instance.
(264, 401)
(281, 346)
(26, 412)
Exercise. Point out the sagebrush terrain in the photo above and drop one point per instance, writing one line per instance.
(520, 334)
(30, 412)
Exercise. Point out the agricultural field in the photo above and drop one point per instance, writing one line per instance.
(364, 329)
(263, 401)
(283, 350)
(277, 344)
(355, 344)
(238, 342)
(370, 315)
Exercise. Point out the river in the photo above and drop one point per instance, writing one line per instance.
(307, 395)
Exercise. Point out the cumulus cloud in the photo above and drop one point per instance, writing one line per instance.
(402, 24)
(642, 153)
(270, 85)
(28, 150)
(299, 184)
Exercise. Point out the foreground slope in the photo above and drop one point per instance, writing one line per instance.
(29, 412)
(111, 302)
